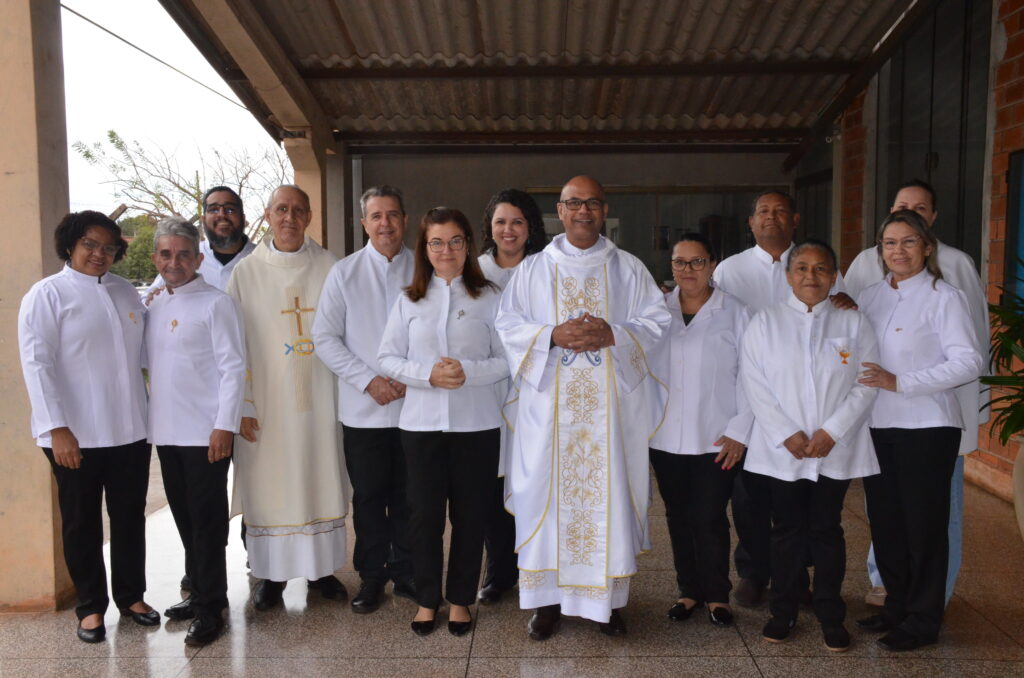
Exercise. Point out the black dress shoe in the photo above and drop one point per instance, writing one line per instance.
(204, 630)
(181, 611)
(95, 635)
(749, 593)
(459, 628)
(404, 588)
(491, 594)
(424, 628)
(720, 616)
(544, 622)
(876, 623)
(368, 598)
(266, 594)
(898, 640)
(679, 611)
(777, 629)
(329, 587)
(615, 626)
(151, 618)
(186, 583)
(837, 638)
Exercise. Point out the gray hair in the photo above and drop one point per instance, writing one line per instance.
(813, 244)
(382, 191)
(177, 226)
(305, 196)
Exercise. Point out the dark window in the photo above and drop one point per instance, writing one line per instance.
(1014, 276)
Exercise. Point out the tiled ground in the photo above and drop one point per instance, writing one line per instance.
(983, 637)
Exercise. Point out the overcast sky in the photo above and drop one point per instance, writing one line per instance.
(109, 85)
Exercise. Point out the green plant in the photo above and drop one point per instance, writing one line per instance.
(1008, 360)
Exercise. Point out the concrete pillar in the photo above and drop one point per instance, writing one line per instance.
(339, 201)
(309, 163)
(34, 191)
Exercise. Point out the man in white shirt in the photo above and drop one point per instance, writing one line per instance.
(577, 321)
(354, 304)
(958, 270)
(196, 356)
(757, 276)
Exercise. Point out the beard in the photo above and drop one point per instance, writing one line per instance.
(226, 242)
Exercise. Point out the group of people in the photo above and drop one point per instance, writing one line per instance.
(522, 396)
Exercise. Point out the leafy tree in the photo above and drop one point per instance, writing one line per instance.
(130, 225)
(137, 264)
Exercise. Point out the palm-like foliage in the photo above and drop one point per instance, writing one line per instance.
(1008, 359)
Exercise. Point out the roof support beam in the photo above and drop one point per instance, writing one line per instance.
(781, 134)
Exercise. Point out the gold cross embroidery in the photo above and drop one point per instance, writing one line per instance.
(298, 311)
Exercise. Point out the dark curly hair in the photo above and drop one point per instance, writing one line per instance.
(536, 238)
(73, 226)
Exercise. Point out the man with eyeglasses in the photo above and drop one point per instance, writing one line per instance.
(354, 304)
(577, 321)
(958, 270)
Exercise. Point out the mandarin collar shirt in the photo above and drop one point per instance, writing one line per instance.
(757, 280)
(81, 343)
(354, 304)
(496, 274)
(447, 322)
(701, 362)
(195, 346)
(926, 338)
(800, 371)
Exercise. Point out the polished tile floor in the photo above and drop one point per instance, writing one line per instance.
(309, 636)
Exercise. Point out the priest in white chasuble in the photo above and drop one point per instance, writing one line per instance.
(577, 321)
(290, 479)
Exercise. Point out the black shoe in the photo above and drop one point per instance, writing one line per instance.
(151, 618)
(267, 594)
(424, 628)
(329, 587)
(491, 594)
(404, 588)
(777, 629)
(459, 628)
(544, 622)
(181, 611)
(204, 630)
(837, 638)
(720, 616)
(679, 611)
(368, 598)
(749, 593)
(615, 626)
(95, 635)
(876, 623)
(186, 583)
(898, 640)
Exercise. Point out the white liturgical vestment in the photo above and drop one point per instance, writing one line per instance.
(290, 484)
(81, 342)
(578, 472)
(957, 270)
(196, 351)
(800, 371)
(753, 277)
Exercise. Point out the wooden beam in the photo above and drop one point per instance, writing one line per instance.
(577, 149)
(384, 139)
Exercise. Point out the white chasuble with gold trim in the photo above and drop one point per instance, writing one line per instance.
(577, 475)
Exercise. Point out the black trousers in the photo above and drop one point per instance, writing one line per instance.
(197, 492)
(123, 473)
(908, 506)
(696, 492)
(752, 517)
(457, 471)
(500, 541)
(806, 518)
(380, 509)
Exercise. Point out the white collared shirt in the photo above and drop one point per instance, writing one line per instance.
(926, 339)
(214, 273)
(757, 280)
(446, 322)
(196, 350)
(354, 304)
(701, 361)
(496, 274)
(800, 372)
(81, 343)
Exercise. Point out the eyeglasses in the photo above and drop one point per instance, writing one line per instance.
(217, 208)
(456, 244)
(573, 204)
(906, 243)
(697, 264)
(92, 246)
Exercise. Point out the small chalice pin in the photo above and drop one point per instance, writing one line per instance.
(844, 353)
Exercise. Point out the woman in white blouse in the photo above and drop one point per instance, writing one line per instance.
(696, 452)
(81, 333)
(799, 368)
(928, 348)
(440, 342)
(513, 229)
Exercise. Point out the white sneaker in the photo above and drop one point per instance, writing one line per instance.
(876, 596)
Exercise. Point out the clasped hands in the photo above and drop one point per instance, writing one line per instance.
(815, 447)
(583, 334)
(447, 373)
(385, 390)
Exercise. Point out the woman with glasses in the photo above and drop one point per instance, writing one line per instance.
(697, 451)
(927, 348)
(80, 333)
(440, 342)
(513, 229)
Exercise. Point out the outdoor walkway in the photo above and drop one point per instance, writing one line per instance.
(983, 636)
